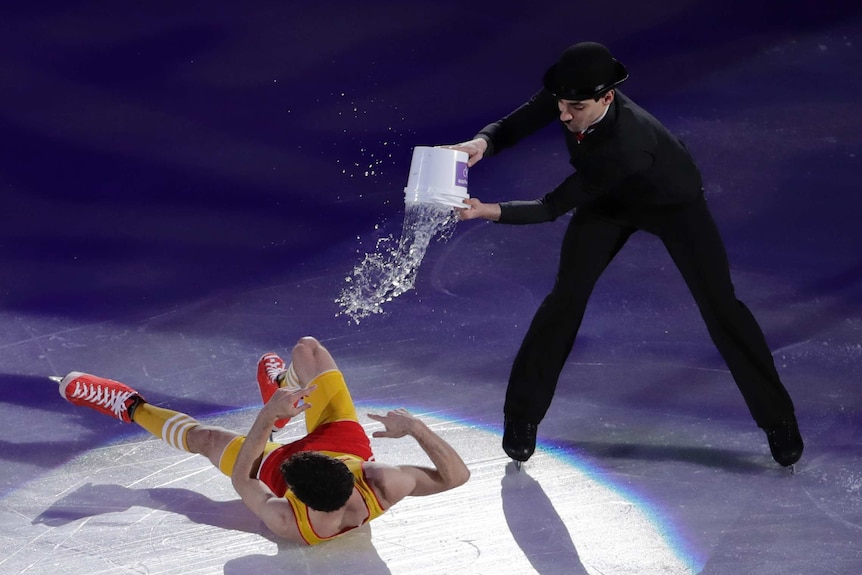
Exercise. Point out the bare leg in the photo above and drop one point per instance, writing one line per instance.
(210, 441)
(310, 359)
(183, 432)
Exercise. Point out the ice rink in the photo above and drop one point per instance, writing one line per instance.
(187, 185)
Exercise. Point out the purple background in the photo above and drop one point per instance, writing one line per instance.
(461, 174)
(186, 185)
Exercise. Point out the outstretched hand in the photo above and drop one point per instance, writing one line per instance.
(398, 423)
(285, 403)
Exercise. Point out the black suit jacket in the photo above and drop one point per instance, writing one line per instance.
(628, 163)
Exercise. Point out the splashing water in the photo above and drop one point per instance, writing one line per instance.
(391, 270)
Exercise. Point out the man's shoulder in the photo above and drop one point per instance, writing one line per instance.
(385, 480)
(635, 128)
(630, 113)
(376, 471)
(280, 516)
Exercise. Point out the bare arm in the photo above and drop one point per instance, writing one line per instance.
(395, 483)
(274, 511)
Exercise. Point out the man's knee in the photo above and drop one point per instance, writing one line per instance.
(310, 358)
(305, 350)
(208, 440)
(308, 341)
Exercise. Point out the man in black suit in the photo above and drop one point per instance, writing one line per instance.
(630, 174)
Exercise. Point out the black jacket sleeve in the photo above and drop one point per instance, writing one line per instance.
(628, 162)
(611, 172)
(539, 111)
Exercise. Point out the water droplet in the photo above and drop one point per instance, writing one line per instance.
(391, 270)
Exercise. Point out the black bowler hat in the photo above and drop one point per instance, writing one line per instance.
(584, 71)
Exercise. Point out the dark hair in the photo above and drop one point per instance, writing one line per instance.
(321, 482)
(601, 95)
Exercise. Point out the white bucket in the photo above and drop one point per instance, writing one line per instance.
(437, 176)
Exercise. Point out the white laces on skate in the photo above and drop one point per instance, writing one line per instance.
(274, 367)
(111, 399)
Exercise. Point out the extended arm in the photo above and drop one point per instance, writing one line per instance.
(395, 483)
(533, 115)
(274, 511)
(539, 111)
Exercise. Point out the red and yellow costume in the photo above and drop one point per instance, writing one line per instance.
(333, 429)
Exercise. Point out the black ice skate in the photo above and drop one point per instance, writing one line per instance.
(519, 440)
(785, 442)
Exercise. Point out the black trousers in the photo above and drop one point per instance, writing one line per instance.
(690, 235)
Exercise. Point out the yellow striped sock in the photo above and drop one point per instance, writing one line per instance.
(166, 424)
(289, 379)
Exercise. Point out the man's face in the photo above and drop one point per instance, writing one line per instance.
(577, 115)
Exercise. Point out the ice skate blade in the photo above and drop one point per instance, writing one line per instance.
(518, 464)
(55, 378)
